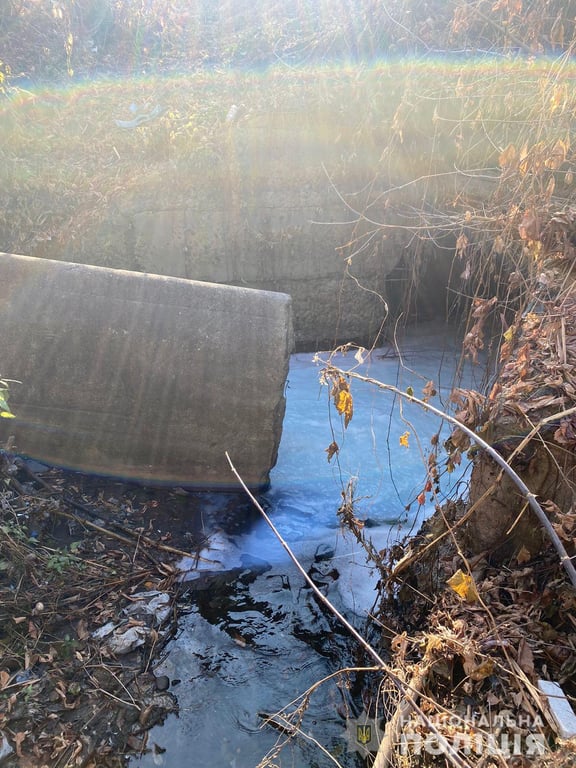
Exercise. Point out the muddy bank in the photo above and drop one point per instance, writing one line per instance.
(88, 601)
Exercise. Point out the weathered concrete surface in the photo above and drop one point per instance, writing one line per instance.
(265, 208)
(143, 376)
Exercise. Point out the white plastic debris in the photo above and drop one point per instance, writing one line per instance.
(121, 643)
(560, 708)
(153, 603)
(104, 630)
(6, 748)
(232, 114)
(141, 118)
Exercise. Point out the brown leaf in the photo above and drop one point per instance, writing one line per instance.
(428, 391)
(332, 450)
(508, 157)
(566, 432)
(523, 556)
(525, 657)
(558, 155)
(529, 227)
(18, 739)
(82, 630)
(461, 245)
(460, 439)
(33, 630)
(483, 670)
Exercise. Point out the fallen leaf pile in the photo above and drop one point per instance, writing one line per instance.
(478, 650)
(86, 604)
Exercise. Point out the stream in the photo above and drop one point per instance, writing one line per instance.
(252, 638)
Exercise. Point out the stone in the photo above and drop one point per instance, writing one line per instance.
(141, 376)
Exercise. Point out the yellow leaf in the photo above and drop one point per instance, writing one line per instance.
(509, 334)
(559, 98)
(404, 440)
(508, 156)
(482, 670)
(6, 415)
(344, 405)
(557, 155)
(464, 586)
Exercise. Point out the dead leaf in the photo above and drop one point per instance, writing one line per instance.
(404, 440)
(461, 245)
(464, 586)
(399, 645)
(529, 227)
(558, 155)
(343, 399)
(523, 556)
(482, 670)
(344, 406)
(508, 157)
(18, 739)
(4, 679)
(82, 630)
(429, 391)
(566, 432)
(460, 439)
(33, 630)
(525, 657)
(332, 450)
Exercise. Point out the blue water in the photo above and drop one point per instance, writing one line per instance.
(255, 642)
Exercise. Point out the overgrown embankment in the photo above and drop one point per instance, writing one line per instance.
(476, 610)
(341, 186)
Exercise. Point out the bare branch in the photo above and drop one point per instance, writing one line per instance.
(565, 559)
(406, 691)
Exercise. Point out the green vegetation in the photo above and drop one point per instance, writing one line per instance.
(5, 412)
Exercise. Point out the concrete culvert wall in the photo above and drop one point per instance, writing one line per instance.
(270, 206)
(142, 376)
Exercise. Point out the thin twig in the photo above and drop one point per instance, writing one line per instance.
(565, 559)
(447, 749)
(285, 726)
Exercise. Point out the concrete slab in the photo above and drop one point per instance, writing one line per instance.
(143, 376)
